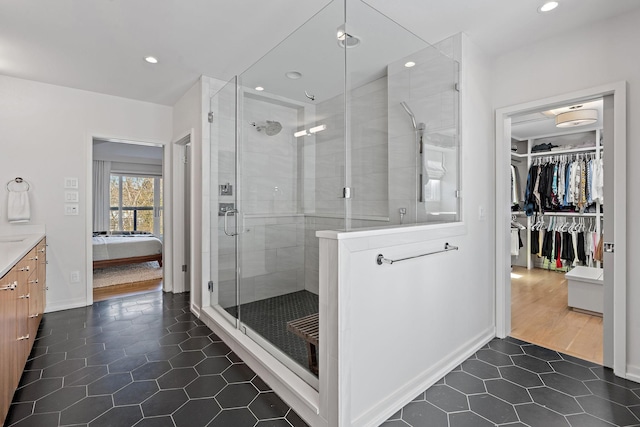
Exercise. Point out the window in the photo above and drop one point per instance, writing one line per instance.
(136, 203)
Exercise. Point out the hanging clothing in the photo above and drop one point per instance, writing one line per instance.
(582, 255)
(561, 185)
(534, 244)
(515, 242)
(515, 187)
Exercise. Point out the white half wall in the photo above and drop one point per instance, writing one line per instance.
(418, 318)
(599, 55)
(46, 135)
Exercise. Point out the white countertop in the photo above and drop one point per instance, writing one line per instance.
(14, 247)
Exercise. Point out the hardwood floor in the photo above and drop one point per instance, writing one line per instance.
(539, 315)
(127, 289)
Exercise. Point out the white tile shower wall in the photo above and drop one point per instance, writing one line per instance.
(269, 163)
(272, 257)
(428, 89)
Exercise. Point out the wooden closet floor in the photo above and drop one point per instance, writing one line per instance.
(539, 315)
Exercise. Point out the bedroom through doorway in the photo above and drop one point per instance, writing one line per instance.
(127, 218)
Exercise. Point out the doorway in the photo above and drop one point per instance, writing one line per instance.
(556, 228)
(612, 148)
(128, 227)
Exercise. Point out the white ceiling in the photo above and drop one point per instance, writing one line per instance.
(98, 45)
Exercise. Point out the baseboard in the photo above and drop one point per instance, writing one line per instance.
(195, 309)
(633, 373)
(400, 398)
(66, 305)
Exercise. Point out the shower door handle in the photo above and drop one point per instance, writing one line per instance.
(226, 215)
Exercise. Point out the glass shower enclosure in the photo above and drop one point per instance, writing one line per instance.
(350, 123)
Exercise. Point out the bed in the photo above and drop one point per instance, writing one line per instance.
(114, 250)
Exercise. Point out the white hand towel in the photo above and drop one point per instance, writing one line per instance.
(18, 207)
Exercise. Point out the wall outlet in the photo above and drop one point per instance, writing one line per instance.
(74, 277)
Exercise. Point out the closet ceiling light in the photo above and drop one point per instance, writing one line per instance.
(576, 118)
(548, 6)
(409, 64)
(300, 133)
(259, 88)
(151, 59)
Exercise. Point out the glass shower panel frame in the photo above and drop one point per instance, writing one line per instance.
(224, 194)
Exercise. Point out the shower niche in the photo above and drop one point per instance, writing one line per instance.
(350, 123)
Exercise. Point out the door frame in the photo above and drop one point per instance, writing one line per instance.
(617, 326)
(167, 253)
(178, 182)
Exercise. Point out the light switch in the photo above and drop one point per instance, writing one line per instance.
(71, 196)
(71, 209)
(71, 182)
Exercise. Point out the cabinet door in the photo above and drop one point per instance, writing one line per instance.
(24, 270)
(41, 250)
(9, 367)
(34, 303)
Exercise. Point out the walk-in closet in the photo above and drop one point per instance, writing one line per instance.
(558, 205)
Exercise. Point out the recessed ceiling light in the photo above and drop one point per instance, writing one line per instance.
(151, 59)
(409, 64)
(548, 6)
(348, 41)
(259, 88)
(293, 75)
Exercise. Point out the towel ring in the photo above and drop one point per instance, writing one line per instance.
(18, 180)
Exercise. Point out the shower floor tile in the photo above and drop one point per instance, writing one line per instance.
(269, 317)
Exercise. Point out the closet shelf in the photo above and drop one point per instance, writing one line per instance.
(518, 155)
(572, 150)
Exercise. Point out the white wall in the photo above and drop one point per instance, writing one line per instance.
(188, 116)
(46, 134)
(598, 55)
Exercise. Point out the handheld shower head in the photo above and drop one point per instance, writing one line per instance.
(410, 113)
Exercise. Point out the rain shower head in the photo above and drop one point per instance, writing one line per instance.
(271, 127)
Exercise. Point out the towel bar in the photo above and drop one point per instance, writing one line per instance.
(382, 260)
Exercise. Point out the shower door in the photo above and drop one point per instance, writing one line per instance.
(258, 246)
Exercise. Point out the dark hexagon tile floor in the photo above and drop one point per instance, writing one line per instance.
(146, 361)
(513, 383)
(139, 361)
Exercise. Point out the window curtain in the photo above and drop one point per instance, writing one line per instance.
(101, 179)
